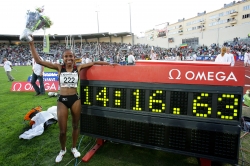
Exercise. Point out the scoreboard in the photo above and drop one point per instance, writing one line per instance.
(187, 108)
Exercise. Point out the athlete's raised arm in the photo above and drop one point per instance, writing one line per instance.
(39, 61)
(95, 63)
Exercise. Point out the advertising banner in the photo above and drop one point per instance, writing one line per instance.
(50, 86)
(47, 76)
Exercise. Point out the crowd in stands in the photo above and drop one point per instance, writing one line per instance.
(20, 54)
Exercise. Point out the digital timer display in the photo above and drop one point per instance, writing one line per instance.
(191, 109)
(203, 104)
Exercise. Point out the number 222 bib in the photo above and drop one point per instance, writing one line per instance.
(68, 79)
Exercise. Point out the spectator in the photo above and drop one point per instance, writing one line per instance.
(87, 60)
(153, 55)
(7, 67)
(223, 57)
(194, 56)
(131, 59)
(20, 55)
(84, 59)
(117, 58)
(37, 75)
(101, 58)
(230, 55)
(247, 58)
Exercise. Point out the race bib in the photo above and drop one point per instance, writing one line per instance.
(68, 80)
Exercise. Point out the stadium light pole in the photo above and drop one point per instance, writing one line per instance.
(218, 31)
(130, 22)
(130, 16)
(97, 20)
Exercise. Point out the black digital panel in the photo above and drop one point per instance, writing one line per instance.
(195, 120)
(179, 103)
(203, 104)
(157, 100)
(119, 95)
(102, 96)
(87, 95)
(228, 106)
(209, 144)
(137, 99)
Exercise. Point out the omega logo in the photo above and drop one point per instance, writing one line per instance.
(178, 76)
(175, 74)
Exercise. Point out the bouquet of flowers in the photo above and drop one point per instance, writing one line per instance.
(35, 21)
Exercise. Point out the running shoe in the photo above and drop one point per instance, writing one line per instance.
(75, 152)
(60, 156)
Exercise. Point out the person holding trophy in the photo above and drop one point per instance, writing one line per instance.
(68, 98)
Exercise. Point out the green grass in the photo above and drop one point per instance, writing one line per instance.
(42, 150)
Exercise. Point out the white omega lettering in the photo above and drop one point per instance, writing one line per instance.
(53, 86)
(49, 87)
(14, 87)
(28, 86)
(190, 72)
(46, 86)
(220, 78)
(201, 76)
(210, 76)
(231, 77)
(178, 76)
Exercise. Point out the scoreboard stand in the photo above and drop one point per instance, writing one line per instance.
(100, 142)
(91, 152)
(204, 162)
(189, 108)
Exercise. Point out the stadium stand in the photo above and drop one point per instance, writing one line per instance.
(19, 54)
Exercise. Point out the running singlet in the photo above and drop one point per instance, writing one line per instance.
(69, 79)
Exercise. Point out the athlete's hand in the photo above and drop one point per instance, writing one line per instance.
(31, 42)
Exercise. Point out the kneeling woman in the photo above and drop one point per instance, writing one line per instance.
(68, 98)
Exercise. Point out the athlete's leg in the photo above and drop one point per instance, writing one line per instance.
(62, 115)
(75, 112)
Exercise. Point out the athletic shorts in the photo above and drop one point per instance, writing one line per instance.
(68, 100)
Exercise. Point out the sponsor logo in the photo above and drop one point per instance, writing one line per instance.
(176, 74)
(47, 76)
(26, 86)
(50, 74)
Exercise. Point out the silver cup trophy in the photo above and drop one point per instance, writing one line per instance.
(35, 20)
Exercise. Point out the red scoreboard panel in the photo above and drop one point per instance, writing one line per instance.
(182, 107)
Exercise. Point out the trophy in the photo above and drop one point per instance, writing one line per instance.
(35, 20)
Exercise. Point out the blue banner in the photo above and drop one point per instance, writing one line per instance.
(200, 58)
(205, 58)
(241, 58)
(47, 76)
